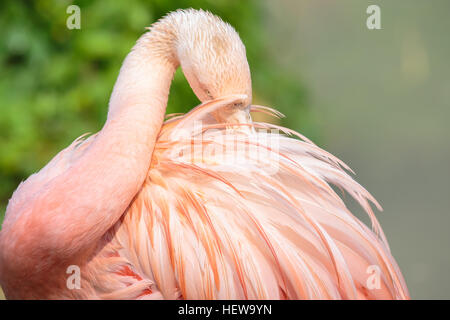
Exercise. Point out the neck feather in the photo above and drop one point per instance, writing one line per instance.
(147, 72)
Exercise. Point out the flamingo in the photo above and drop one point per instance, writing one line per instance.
(149, 208)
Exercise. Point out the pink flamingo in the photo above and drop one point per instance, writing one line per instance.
(145, 214)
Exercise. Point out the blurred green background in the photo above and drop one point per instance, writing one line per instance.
(378, 99)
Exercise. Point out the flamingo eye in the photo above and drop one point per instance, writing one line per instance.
(208, 93)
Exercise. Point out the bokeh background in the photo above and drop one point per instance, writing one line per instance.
(378, 99)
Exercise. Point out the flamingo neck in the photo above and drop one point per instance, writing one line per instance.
(145, 77)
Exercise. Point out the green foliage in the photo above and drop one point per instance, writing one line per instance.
(56, 82)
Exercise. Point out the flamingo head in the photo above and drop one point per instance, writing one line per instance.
(214, 61)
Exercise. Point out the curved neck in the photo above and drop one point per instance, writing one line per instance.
(98, 186)
(123, 149)
(145, 76)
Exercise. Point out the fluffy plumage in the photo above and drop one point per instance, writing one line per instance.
(254, 221)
